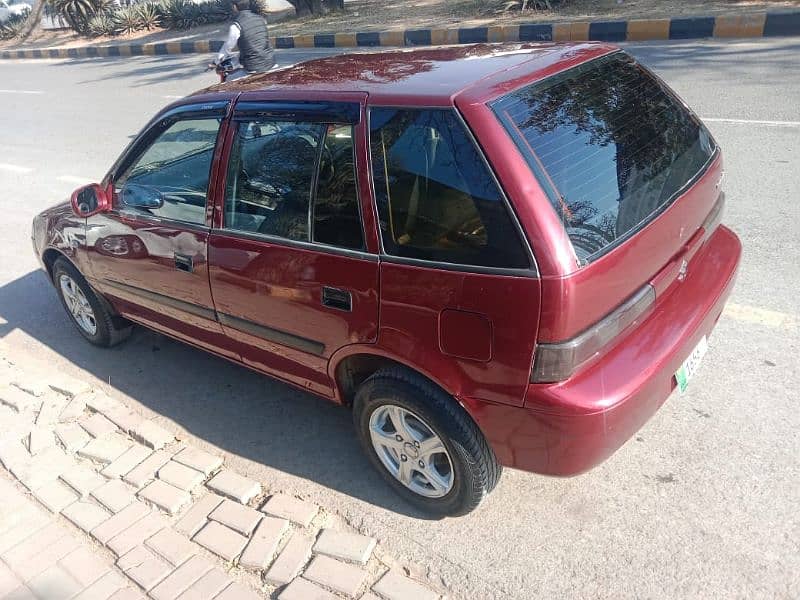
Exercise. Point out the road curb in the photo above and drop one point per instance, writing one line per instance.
(762, 24)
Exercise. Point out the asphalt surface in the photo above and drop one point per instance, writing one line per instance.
(703, 502)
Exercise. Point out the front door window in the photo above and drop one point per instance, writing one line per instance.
(170, 178)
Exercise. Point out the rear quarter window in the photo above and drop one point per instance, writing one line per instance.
(437, 199)
(610, 144)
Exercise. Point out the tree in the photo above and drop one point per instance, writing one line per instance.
(33, 20)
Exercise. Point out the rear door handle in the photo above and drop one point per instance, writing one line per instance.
(336, 298)
(184, 263)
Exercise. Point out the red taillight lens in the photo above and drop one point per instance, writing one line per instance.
(557, 362)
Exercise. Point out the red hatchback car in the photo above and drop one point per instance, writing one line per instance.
(497, 255)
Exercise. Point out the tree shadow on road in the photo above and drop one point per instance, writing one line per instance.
(153, 69)
(240, 411)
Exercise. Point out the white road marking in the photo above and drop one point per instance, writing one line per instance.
(173, 97)
(761, 316)
(20, 92)
(753, 122)
(74, 179)
(14, 168)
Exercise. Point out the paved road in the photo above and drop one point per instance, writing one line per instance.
(704, 502)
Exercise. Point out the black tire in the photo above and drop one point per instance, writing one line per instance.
(475, 467)
(111, 329)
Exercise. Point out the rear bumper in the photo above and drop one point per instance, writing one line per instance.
(568, 428)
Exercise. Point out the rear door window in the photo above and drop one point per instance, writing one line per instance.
(437, 199)
(610, 144)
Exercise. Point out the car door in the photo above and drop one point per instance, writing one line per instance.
(148, 255)
(291, 274)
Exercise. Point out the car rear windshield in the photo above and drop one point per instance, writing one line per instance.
(610, 144)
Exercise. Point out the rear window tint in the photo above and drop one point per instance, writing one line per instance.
(610, 145)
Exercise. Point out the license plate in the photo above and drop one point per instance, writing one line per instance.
(691, 364)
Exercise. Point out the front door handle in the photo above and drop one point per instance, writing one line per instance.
(336, 298)
(184, 263)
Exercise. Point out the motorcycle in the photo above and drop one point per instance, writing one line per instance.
(224, 68)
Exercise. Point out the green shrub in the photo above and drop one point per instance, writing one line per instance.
(101, 25)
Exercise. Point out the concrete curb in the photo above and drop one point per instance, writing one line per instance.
(763, 24)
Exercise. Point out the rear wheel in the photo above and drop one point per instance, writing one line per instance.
(93, 319)
(424, 444)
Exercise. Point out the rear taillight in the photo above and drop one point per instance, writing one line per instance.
(557, 362)
(714, 218)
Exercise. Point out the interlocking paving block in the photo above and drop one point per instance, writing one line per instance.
(44, 468)
(167, 497)
(208, 586)
(235, 486)
(335, 574)
(85, 515)
(152, 435)
(144, 567)
(180, 476)
(39, 439)
(68, 386)
(21, 593)
(197, 515)
(52, 405)
(263, 543)
(127, 461)
(30, 546)
(352, 547)
(8, 581)
(82, 479)
(103, 588)
(73, 436)
(237, 516)
(16, 398)
(296, 510)
(127, 594)
(119, 522)
(97, 425)
(84, 566)
(221, 541)
(73, 410)
(171, 546)
(181, 578)
(55, 495)
(123, 417)
(54, 583)
(27, 524)
(105, 449)
(199, 460)
(98, 400)
(31, 558)
(301, 589)
(146, 470)
(395, 586)
(291, 560)
(114, 495)
(136, 534)
(13, 454)
(236, 591)
(30, 384)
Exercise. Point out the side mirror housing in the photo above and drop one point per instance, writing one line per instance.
(90, 200)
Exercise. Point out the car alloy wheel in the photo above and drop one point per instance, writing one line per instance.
(410, 450)
(77, 304)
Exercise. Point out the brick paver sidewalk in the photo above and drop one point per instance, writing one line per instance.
(97, 502)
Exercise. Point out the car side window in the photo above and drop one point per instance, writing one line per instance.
(170, 178)
(436, 198)
(279, 171)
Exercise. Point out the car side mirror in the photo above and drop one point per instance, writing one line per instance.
(90, 200)
(141, 196)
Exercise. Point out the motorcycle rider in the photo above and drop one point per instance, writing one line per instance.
(249, 32)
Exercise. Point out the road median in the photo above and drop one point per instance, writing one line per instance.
(750, 25)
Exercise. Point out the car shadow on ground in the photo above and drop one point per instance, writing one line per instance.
(239, 411)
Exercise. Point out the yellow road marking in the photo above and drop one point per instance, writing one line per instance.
(761, 316)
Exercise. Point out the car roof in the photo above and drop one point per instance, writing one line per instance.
(421, 76)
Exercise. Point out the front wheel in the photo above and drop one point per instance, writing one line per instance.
(424, 444)
(93, 320)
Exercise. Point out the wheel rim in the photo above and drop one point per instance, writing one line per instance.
(77, 304)
(410, 450)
